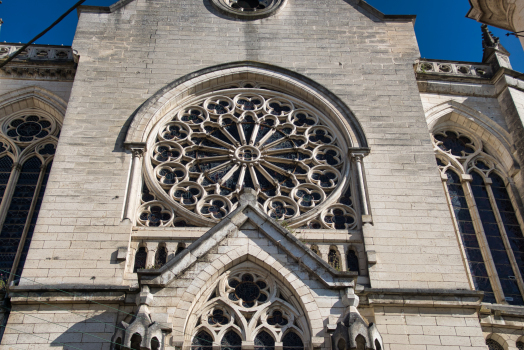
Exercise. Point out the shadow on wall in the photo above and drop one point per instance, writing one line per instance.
(87, 334)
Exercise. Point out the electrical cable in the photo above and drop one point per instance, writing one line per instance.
(17, 52)
(94, 302)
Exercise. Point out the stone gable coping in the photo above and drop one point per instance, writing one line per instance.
(270, 228)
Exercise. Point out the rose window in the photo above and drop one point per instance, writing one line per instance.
(203, 154)
(248, 291)
(28, 128)
(248, 9)
(454, 143)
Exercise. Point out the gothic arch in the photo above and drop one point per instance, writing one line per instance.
(205, 280)
(225, 75)
(33, 97)
(452, 114)
(498, 339)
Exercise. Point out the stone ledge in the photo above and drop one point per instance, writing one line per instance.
(421, 297)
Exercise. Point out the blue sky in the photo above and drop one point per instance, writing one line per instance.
(442, 30)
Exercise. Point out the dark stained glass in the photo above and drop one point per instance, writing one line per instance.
(202, 341)
(493, 345)
(161, 256)
(277, 319)
(140, 259)
(231, 341)
(497, 248)
(217, 317)
(136, 341)
(292, 341)
(264, 341)
(155, 344)
(520, 345)
(18, 215)
(454, 143)
(334, 259)
(353, 261)
(509, 220)
(469, 237)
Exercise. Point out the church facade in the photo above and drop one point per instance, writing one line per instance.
(259, 175)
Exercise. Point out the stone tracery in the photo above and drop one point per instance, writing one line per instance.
(202, 154)
(250, 303)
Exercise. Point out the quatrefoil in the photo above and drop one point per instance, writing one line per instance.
(339, 217)
(170, 175)
(320, 136)
(324, 176)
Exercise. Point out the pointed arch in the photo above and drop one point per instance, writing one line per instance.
(452, 114)
(204, 282)
(32, 97)
(226, 75)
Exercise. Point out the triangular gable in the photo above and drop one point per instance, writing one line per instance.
(248, 213)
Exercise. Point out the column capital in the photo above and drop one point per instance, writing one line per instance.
(359, 152)
(137, 152)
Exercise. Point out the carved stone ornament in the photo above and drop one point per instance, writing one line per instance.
(202, 154)
(142, 333)
(249, 9)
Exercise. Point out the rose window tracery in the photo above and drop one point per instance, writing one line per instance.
(29, 128)
(247, 290)
(203, 154)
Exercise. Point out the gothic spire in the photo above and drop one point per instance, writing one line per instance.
(491, 44)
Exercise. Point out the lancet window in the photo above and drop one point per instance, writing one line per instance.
(203, 153)
(28, 141)
(248, 304)
(334, 258)
(352, 261)
(485, 214)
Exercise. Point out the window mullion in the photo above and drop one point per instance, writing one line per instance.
(483, 241)
(444, 178)
(27, 223)
(9, 191)
(509, 250)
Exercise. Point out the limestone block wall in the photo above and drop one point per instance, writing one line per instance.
(60, 88)
(128, 55)
(424, 328)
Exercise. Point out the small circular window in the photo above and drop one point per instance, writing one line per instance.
(248, 9)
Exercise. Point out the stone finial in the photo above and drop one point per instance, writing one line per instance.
(494, 52)
(248, 196)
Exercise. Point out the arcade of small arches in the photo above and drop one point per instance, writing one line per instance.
(485, 211)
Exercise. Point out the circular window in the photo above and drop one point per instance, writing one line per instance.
(248, 9)
(28, 128)
(203, 154)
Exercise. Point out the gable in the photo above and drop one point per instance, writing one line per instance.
(248, 233)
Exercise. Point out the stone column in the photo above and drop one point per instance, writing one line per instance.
(135, 184)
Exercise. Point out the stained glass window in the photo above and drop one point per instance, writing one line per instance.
(334, 258)
(231, 341)
(264, 341)
(202, 341)
(292, 341)
(520, 345)
(180, 247)
(19, 212)
(495, 241)
(469, 237)
(161, 256)
(493, 345)
(353, 261)
(140, 259)
(7, 255)
(509, 219)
